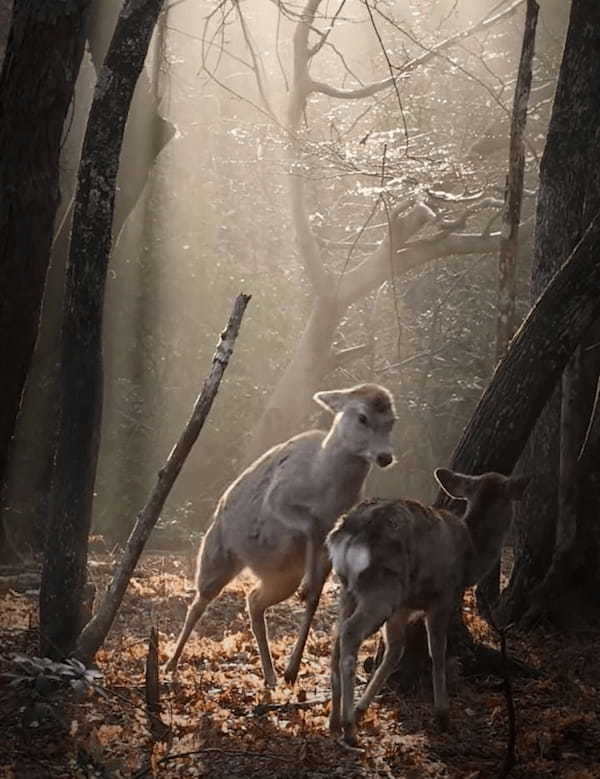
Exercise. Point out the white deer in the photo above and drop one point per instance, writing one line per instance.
(275, 516)
(399, 560)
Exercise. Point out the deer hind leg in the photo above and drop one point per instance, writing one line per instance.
(215, 569)
(436, 622)
(364, 621)
(394, 636)
(269, 590)
(347, 606)
(318, 567)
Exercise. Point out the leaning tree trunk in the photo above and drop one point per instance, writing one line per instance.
(507, 412)
(524, 380)
(64, 573)
(40, 67)
(569, 200)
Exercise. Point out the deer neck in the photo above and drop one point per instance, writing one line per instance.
(486, 532)
(337, 461)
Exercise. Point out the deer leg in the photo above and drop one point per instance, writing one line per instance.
(215, 569)
(366, 619)
(347, 606)
(267, 592)
(317, 567)
(394, 633)
(437, 625)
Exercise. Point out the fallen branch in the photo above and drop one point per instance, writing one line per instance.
(217, 751)
(263, 708)
(96, 630)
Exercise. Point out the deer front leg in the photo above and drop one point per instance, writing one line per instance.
(437, 625)
(317, 568)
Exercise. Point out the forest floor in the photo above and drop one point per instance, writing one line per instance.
(217, 723)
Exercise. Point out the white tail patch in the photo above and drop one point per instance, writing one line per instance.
(348, 560)
(358, 559)
(337, 553)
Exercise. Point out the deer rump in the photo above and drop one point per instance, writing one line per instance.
(413, 554)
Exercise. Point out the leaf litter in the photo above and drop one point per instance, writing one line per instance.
(217, 720)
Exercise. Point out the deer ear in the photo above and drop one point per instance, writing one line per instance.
(456, 485)
(517, 485)
(332, 400)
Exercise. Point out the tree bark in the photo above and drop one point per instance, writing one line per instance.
(94, 633)
(146, 134)
(39, 71)
(64, 572)
(568, 203)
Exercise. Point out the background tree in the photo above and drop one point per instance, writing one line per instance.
(65, 561)
(42, 59)
(146, 134)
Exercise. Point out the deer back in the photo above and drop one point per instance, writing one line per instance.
(411, 551)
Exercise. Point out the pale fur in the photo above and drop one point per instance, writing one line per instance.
(274, 517)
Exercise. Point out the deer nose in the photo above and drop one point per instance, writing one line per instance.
(384, 459)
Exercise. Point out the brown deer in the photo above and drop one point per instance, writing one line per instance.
(275, 516)
(399, 560)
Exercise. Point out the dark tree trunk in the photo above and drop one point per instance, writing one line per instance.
(64, 573)
(146, 134)
(40, 67)
(569, 200)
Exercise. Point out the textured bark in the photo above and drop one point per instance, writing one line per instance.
(94, 633)
(146, 134)
(42, 60)
(5, 19)
(568, 202)
(65, 562)
(488, 590)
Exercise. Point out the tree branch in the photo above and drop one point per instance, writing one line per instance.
(96, 630)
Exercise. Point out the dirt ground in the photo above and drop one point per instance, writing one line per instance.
(219, 721)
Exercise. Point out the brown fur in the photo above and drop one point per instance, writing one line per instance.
(400, 559)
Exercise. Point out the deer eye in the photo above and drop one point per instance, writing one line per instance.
(362, 418)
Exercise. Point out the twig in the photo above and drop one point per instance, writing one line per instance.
(263, 708)
(509, 756)
(216, 751)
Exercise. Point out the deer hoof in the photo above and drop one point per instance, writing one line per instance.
(291, 673)
(270, 681)
(441, 719)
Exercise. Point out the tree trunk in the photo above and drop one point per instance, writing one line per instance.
(146, 134)
(42, 60)
(64, 573)
(569, 201)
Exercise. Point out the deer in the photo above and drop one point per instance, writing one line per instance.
(400, 560)
(274, 518)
